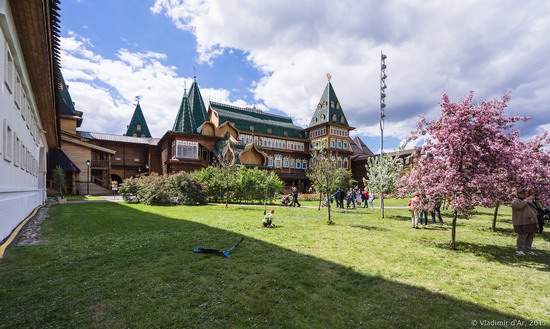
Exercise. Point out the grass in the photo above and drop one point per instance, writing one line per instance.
(83, 197)
(107, 265)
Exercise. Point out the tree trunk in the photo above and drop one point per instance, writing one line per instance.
(453, 234)
(227, 196)
(320, 198)
(328, 208)
(494, 228)
(382, 204)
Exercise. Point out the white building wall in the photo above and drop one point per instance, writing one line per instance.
(23, 144)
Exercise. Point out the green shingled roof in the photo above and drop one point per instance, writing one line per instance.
(244, 118)
(192, 112)
(66, 107)
(328, 108)
(184, 120)
(138, 120)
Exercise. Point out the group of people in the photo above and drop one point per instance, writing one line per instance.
(353, 198)
(419, 211)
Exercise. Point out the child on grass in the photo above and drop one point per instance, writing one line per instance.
(268, 219)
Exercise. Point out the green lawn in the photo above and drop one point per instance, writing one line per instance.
(107, 265)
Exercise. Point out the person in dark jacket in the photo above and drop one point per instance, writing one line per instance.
(295, 197)
(525, 222)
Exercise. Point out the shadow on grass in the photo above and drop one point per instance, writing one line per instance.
(109, 265)
(370, 228)
(506, 255)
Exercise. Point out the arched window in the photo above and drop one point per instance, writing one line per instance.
(339, 162)
(270, 161)
(342, 120)
(334, 117)
(332, 143)
(331, 104)
(304, 164)
(346, 163)
(322, 117)
(337, 106)
(339, 144)
(138, 127)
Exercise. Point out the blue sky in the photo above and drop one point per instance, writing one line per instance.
(275, 54)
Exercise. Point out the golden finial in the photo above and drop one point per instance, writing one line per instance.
(329, 76)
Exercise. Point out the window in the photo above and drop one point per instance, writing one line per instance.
(298, 164)
(16, 151)
(337, 107)
(345, 144)
(186, 149)
(8, 142)
(292, 163)
(285, 162)
(285, 133)
(331, 104)
(23, 157)
(9, 70)
(251, 128)
(134, 135)
(339, 144)
(18, 91)
(278, 161)
(270, 161)
(334, 117)
(342, 120)
(332, 143)
(269, 130)
(322, 117)
(304, 164)
(138, 127)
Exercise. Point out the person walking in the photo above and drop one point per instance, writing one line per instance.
(365, 196)
(525, 222)
(371, 199)
(295, 197)
(413, 208)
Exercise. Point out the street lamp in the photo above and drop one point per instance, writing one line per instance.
(88, 164)
(383, 87)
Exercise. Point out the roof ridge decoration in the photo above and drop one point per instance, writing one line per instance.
(138, 125)
(328, 109)
(251, 109)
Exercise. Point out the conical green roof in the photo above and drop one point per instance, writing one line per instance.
(138, 125)
(184, 119)
(192, 112)
(329, 109)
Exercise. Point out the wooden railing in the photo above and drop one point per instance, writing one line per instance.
(100, 163)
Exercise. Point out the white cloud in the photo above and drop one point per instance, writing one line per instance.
(433, 47)
(104, 89)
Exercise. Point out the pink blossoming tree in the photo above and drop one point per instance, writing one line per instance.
(461, 154)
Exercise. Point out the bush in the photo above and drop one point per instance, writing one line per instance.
(158, 190)
(245, 184)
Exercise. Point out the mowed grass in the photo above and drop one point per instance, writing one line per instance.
(107, 265)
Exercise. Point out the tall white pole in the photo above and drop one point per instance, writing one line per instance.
(382, 116)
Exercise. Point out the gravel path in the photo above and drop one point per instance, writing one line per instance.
(30, 235)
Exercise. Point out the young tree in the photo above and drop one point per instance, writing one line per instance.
(325, 175)
(457, 161)
(383, 175)
(58, 178)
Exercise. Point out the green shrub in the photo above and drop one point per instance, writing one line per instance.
(245, 185)
(158, 190)
(189, 190)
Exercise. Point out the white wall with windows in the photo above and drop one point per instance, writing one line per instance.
(275, 143)
(23, 144)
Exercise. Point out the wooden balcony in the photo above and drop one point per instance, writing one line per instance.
(100, 164)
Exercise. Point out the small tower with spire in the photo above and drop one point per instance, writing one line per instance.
(138, 125)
